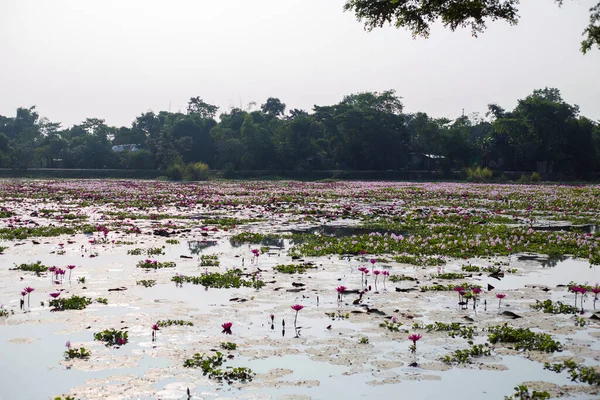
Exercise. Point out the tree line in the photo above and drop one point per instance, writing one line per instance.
(364, 131)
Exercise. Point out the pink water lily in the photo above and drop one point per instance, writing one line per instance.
(415, 337)
(54, 295)
(227, 328)
(500, 296)
(297, 308)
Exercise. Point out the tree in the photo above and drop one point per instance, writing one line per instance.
(197, 106)
(273, 107)
(418, 15)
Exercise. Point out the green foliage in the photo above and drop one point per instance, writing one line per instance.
(112, 337)
(392, 326)
(170, 322)
(363, 340)
(292, 268)
(253, 238)
(337, 315)
(448, 288)
(230, 279)
(21, 233)
(3, 249)
(207, 260)
(211, 366)
(153, 264)
(448, 275)
(228, 346)
(466, 356)
(400, 278)
(550, 307)
(36, 267)
(454, 329)
(102, 300)
(478, 174)
(146, 283)
(522, 393)
(72, 303)
(577, 372)
(523, 339)
(65, 398)
(175, 172)
(80, 353)
(172, 241)
(197, 171)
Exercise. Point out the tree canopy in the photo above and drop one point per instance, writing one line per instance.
(363, 131)
(417, 16)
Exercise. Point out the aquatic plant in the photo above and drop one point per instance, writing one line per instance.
(523, 339)
(112, 337)
(153, 264)
(28, 290)
(550, 307)
(338, 315)
(415, 337)
(36, 267)
(393, 326)
(577, 372)
(454, 329)
(291, 268)
(70, 268)
(522, 393)
(228, 346)
(102, 300)
(209, 260)
(340, 291)
(230, 279)
(211, 366)
(163, 323)
(363, 340)
(297, 308)
(155, 328)
(227, 328)
(466, 356)
(80, 353)
(500, 296)
(172, 241)
(72, 303)
(146, 283)
(400, 278)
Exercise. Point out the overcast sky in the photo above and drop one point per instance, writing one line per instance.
(115, 59)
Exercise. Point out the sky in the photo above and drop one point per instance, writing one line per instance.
(115, 59)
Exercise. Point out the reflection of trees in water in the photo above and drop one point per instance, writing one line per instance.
(270, 242)
(196, 246)
(553, 261)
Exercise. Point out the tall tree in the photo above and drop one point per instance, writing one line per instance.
(418, 15)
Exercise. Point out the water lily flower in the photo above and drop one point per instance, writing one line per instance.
(54, 295)
(154, 329)
(227, 328)
(500, 296)
(341, 289)
(68, 344)
(415, 337)
(297, 308)
(70, 268)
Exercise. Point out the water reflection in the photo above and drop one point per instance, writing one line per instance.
(196, 246)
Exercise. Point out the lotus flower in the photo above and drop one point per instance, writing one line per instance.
(227, 328)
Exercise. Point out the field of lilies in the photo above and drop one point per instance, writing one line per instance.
(294, 290)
